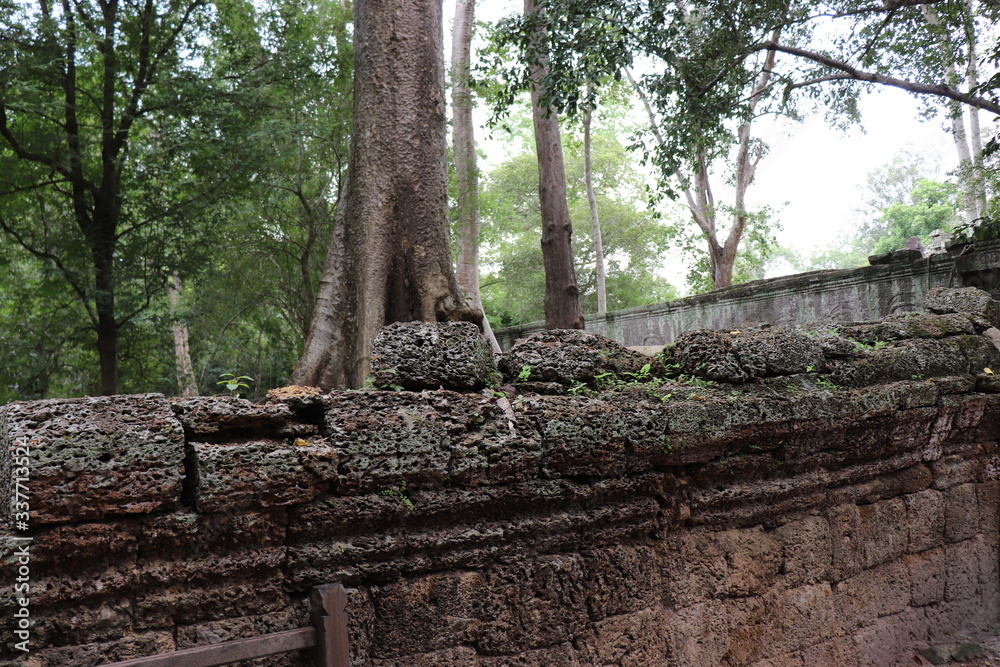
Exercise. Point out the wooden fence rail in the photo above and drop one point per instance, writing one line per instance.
(327, 636)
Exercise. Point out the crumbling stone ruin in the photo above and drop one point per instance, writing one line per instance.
(894, 282)
(824, 495)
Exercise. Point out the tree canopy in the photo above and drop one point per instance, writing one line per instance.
(145, 141)
(182, 164)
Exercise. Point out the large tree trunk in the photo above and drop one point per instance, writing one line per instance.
(595, 219)
(389, 257)
(562, 293)
(466, 174)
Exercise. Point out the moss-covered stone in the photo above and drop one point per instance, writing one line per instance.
(568, 356)
(741, 356)
(971, 301)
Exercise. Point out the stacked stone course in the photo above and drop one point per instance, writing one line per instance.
(767, 520)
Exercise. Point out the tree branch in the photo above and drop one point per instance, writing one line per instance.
(852, 73)
(889, 6)
(19, 150)
(43, 254)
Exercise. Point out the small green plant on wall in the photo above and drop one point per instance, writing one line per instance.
(234, 383)
(400, 495)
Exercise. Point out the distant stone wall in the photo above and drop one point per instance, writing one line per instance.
(831, 499)
(898, 284)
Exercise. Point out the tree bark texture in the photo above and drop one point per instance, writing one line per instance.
(595, 219)
(466, 170)
(187, 382)
(389, 258)
(968, 158)
(562, 292)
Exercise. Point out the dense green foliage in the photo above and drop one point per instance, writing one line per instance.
(931, 206)
(634, 240)
(699, 62)
(208, 141)
(228, 180)
(901, 202)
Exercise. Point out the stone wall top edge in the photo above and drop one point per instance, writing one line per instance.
(819, 281)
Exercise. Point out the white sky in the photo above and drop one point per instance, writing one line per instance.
(814, 174)
(821, 171)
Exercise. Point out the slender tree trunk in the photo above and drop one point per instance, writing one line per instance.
(975, 129)
(187, 382)
(102, 252)
(968, 147)
(701, 202)
(466, 171)
(390, 257)
(562, 292)
(746, 167)
(595, 220)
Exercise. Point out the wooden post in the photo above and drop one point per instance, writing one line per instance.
(329, 616)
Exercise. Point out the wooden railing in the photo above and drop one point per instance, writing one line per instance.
(327, 637)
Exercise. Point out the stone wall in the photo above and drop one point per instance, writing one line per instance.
(898, 283)
(758, 497)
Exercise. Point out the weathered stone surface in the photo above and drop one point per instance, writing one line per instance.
(806, 554)
(431, 355)
(259, 474)
(872, 594)
(927, 576)
(667, 523)
(580, 436)
(133, 645)
(182, 535)
(914, 359)
(214, 632)
(565, 356)
(430, 613)
(631, 640)
(509, 525)
(90, 458)
(402, 440)
(907, 325)
(224, 418)
(925, 514)
(551, 588)
(718, 565)
(295, 396)
(196, 590)
(866, 536)
(740, 356)
(977, 303)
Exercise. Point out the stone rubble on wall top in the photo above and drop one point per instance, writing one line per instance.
(741, 356)
(431, 355)
(984, 310)
(565, 356)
